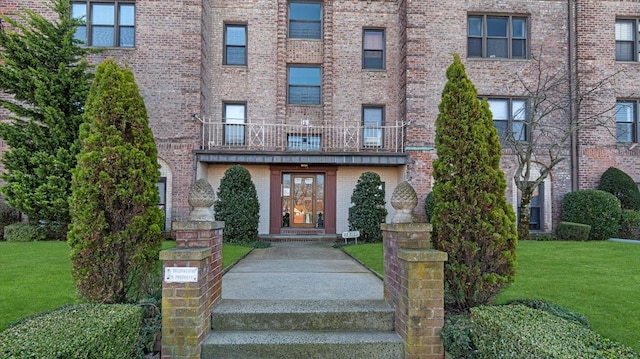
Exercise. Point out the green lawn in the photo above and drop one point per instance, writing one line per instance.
(598, 279)
(36, 276)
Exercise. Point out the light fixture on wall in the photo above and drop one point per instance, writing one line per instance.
(304, 165)
(633, 145)
(196, 117)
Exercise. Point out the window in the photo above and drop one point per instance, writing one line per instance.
(162, 203)
(626, 121)
(510, 117)
(372, 121)
(626, 49)
(497, 36)
(304, 85)
(304, 142)
(304, 20)
(373, 49)
(234, 118)
(235, 45)
(108, 23)
(536, 219)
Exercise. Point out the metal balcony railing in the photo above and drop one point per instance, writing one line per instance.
(236, 135)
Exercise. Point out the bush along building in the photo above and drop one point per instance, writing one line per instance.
(308, 95)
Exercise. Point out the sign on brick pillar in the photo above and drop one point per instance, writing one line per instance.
(186, 301)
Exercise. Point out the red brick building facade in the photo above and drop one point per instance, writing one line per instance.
(308, 95)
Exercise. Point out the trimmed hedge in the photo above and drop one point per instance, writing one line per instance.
(85, 331)
(629, 224)
(516, 331)
(570, 231)
(599, 209)
(24, 232)
(621, 185)
(552, 308)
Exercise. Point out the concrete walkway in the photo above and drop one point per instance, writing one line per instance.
(300, 271)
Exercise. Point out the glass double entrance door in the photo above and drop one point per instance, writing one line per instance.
(303, 200)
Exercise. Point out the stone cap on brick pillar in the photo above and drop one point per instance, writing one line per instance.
(185, 254)
(418, 255)
(202, 198)
(404, 200)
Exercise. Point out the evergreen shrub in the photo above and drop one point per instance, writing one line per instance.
(516, 331)
(8, 216)
(629, 224)
(429, 205)
(621, 185)
(368, 210)
(474, 223)
(85, 331)
(115, 230)
(599, 209)
(569, 231)
(237, 205)
(552, 308)
(24, 232)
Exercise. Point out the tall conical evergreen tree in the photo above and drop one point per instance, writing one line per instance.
(115, 229)
(476, 226)
(368, 209)
(238, 206)
(44, 70)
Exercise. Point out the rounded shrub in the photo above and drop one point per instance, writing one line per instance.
(368, 209)
(237, 205)
(629, 224)
(599, 209)
(621, 185)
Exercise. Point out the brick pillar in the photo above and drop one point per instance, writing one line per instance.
(187, 304)
(414, 286)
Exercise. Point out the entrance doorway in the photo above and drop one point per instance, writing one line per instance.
(303, 200)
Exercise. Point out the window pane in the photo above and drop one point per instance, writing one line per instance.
(497, 26)
(304, 76)
(499, 109)
(373, 60)
(81, 34)
(624, 132)
(519, 28)
(474, 47)
(497, 48)
(235, 56)
(519, 131)
(474, 25)
(304, 11)
(305, 30)
(236, 35)
(304, 95)
(102, 15)
(373, 40)
(624, 30)
(518, 110)
(372, 116)
(127, 36)
(501, 126)
(234, 113)
(624, 51)
(518, 49)
(102, 36)
(624, 112)
(79, 11)
(127, 15)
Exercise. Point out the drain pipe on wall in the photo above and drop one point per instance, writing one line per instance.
(573, 73)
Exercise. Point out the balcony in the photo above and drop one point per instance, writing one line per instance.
(303, 138)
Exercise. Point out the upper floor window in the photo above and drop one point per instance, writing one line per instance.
(626, 40)
(627, 121)
(108, 23)
(234, 117)
(372, 122)
(235, 44)
(373, 49)
(510, 117)
(497, 36)
(304, 85)
(305, 20)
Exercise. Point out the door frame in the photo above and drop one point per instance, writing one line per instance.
(275, 210)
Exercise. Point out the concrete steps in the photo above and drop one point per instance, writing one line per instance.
(302, 329)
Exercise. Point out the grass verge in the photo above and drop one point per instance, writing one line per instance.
(36, 276)
(598, 279)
